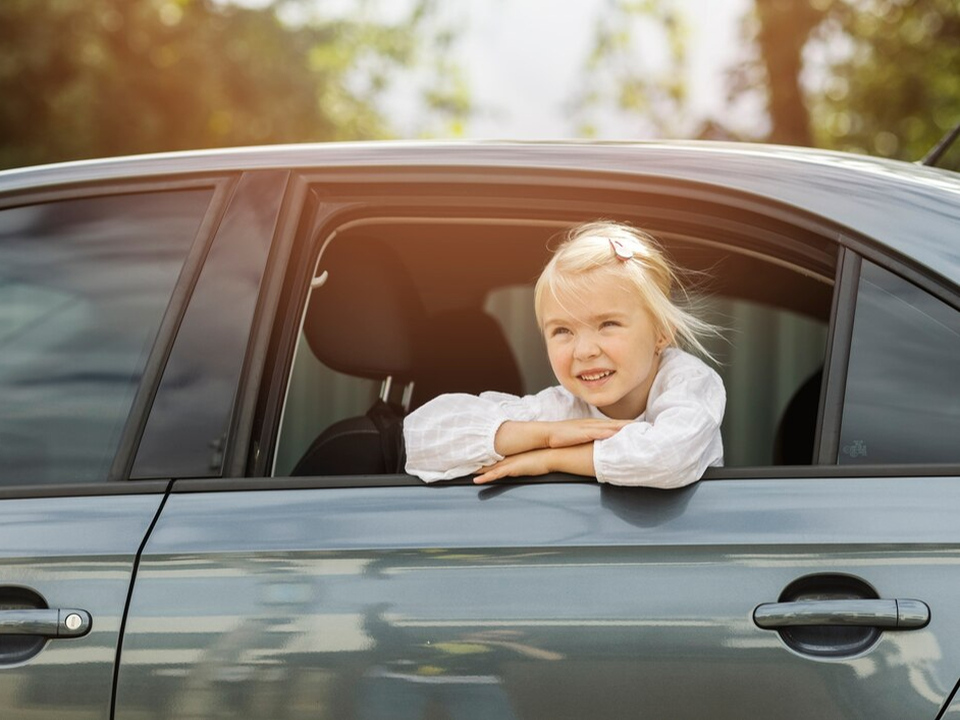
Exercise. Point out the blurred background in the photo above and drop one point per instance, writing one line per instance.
(93, 78)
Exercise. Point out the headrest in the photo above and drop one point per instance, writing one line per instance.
(367, 318)
(469, 354)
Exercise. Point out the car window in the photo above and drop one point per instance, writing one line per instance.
(901, 403)
(83, 287)
(187, 432)
(322, 397)
(471, 327)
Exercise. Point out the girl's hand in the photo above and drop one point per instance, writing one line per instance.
(533, 462)
(565, 433)
(576, 459)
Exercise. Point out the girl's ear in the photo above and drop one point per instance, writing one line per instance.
(665, 339)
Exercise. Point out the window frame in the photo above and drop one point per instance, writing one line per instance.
(221, 186)
(248, 181)
(331, 198)
(925, 283)
(855, 249)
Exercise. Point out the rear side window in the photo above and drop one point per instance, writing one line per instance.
(83, 287)
(902, 402)
(395, 313)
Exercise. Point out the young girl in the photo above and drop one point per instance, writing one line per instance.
(632, 408)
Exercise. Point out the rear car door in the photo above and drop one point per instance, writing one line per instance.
(823, 590)
(88, 279)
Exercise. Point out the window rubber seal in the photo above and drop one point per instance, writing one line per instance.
(837, 359)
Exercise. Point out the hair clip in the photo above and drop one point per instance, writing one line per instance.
(622, 252)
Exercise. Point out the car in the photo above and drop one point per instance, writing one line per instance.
(203, 513)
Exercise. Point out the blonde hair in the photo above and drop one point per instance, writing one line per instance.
(635, 258)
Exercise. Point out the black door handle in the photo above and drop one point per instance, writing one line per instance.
(46, 622)
(886, 614)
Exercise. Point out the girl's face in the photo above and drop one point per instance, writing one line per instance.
(603, 347)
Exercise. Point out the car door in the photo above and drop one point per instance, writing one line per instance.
(387, 601)
(87, 277)
(822, 591)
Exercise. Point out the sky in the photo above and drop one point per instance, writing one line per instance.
(524, 62)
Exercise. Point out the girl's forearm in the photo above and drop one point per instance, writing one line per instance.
(576, 460)
(515, 437)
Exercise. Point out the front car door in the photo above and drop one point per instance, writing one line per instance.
(766, 590)
(87, 277)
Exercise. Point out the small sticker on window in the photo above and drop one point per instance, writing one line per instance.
(858, 448)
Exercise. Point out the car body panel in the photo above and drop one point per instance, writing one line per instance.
(74, 552)
(540, 600)
(292, 598)
(910, 209)
(952, 711)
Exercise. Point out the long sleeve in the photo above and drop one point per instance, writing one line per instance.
(453, 435)
(678, 437)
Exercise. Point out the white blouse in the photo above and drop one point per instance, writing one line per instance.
(668, 446)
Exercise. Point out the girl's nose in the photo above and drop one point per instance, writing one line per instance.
(586, 347)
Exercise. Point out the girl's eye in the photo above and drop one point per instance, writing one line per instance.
(609, 323)
(559, 331)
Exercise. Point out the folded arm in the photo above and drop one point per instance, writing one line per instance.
(675, 448)
(456, 435)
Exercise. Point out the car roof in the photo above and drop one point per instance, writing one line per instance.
(910, 209)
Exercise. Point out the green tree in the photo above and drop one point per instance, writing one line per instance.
(88, 78)
(870, 76)
(891, 76)
(632, 78)
(873, 76)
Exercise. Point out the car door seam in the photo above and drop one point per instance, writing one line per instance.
(126, 605)
(948, 701)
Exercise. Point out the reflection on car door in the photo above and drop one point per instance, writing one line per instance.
(566, 600)
(75, 555)
(85, 283)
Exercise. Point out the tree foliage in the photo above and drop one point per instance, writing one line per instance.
(873, 76)
(87, 78)
(869, 76)
(631, 76)
(892, 76)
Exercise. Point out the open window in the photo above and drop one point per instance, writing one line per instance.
(406, 306)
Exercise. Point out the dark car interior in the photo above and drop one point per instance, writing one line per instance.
(402, 310)
(393, 340)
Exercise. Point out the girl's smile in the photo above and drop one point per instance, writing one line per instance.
(604, 348)
(595, 378)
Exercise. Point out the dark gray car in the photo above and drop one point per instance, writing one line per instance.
(201, 508)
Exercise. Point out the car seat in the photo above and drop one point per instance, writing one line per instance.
(796, 432)
(467, 353)
(366, 319)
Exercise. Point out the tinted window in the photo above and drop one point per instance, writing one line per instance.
(902, 401)
(83, 287)
(186, 433)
